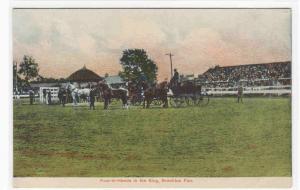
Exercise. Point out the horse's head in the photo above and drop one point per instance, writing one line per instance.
(68, 86)
(95, 88)
(102, 85)
(164, 85)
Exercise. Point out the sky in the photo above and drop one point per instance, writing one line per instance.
(64, 40)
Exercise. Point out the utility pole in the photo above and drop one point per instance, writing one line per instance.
(171, 55)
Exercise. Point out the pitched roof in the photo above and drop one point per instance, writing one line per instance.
(84, 75)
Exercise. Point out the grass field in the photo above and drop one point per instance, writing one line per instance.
(221, 139)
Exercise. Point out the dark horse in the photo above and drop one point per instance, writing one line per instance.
(109, 93)
(135, 92)
(159, 91)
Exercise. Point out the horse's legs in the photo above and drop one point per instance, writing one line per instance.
(74, 98)
(125, 101)
(148, 103)
(63, 101)
(144, 102)
(126, 104)
(165, 102)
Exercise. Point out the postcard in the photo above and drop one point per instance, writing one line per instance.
(152, 97)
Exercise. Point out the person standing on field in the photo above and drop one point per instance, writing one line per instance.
(49, 97)
(31, 96)
(59, 95)
(92, 98)
(240, 94)
(64, 97)
(44, 96)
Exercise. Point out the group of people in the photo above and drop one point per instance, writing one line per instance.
(251, 75)
(64, 95)
(138, 87)
(47, 96)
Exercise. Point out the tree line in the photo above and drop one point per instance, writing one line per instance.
(135, 63)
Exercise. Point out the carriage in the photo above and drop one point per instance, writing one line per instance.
(187, 93)
(138, 100)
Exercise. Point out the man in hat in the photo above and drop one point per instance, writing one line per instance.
(31, 96)
(175, 78)
(49, 97)
(44, 96)
(240, 94)
(64, 97)
(92, 97)
(143, 82)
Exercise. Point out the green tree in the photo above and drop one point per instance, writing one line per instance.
(29, 69)
(135, 63)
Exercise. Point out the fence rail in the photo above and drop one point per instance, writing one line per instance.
(272, 90)
(15, 96)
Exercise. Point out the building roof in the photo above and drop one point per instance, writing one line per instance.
(84, 75)
(114, 80)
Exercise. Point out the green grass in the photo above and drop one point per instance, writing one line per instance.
(221, 139)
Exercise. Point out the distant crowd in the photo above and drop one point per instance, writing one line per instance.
(248, 75)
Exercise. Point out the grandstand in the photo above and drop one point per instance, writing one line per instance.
(274, 76)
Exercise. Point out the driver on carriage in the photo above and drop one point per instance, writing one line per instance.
(175, 79)
(142, 82)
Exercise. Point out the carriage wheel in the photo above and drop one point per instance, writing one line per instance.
(136, 101)
(177, 102)
(203, 100)
(192, 100)
(157, 102)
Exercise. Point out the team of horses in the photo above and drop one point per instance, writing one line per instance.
(148, 93)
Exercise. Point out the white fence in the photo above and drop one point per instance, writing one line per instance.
(17, 96)
(54, 94)
(267, 90)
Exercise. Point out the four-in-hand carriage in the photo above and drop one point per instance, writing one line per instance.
(187, 94)
(183, 94)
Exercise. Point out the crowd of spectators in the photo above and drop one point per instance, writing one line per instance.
(267, 74)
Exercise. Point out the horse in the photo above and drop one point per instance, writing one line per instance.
(136, 95)
(108, 93)
(75, 93)
(159, 91)
(84, 93)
